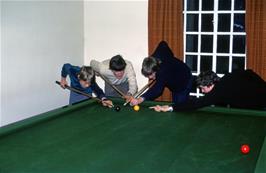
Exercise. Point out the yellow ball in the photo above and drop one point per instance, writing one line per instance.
(136, 108)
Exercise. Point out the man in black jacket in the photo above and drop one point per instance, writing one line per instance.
(240, 89)
(169, 72)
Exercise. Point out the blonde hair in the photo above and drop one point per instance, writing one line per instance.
(86, 74)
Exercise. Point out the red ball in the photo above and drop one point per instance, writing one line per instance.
(245, 149)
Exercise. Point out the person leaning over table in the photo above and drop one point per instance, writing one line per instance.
(239, 89)
(83, 79)
(120, 73)
(169, 72)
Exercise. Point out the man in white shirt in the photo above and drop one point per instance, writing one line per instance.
(120, 73)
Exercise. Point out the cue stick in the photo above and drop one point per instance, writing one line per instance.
(81, 92)
(109, 83)
(141, 91)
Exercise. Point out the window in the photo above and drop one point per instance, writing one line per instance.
(214, 36)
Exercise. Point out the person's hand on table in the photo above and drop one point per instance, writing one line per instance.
(63, 82)
(108, 103)
(136, 101)
(164, 108)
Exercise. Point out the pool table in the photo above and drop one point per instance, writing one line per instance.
(89, 138)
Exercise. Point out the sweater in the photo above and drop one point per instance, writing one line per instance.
(173, 73)
(72, 72)
(129, 75)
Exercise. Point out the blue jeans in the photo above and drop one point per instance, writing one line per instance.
(110, 92)
(75, 97)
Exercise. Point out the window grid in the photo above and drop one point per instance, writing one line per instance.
(231, 37)
(215, 33)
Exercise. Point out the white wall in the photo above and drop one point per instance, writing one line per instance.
(117, 27)
(37, 38)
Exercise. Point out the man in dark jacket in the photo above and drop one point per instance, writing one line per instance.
(240, 89)
(169, 72)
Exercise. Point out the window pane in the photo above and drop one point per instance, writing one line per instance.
(207, 22)
(207, 5)
(223, 43)
(222, 64)
(239, 4)
(239, 44)
(224, 5)
(206, 43)
(205, 63)
(192, 22)
(192, 43)
(191, 61)
(238, 63)
(239, 23)
(192, 5)
(224, 21)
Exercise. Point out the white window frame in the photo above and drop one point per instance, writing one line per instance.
(215, 33)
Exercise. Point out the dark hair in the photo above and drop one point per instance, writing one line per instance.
(207, 78)
(86, 74)
(117, 63)
(150, 65)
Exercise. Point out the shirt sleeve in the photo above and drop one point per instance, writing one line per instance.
(155, 91)
(132, 82)
(66, 70)
(193, 104)
(95, 65)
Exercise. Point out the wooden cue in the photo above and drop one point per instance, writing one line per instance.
(109, 83)
(81, 92)
(141, 91)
